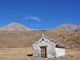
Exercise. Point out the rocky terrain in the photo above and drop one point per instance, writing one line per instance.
(14, 26)
(68, 27)
(16, 35)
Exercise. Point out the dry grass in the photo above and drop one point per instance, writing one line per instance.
(21, 54)
(17, 39)
(18, 44)
(15, 53)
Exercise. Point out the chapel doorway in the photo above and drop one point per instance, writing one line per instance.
(43, 51)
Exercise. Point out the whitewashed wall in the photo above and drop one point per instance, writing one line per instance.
(52, 51)
(50, 48)
(59, 52)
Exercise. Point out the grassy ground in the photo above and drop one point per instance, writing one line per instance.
(22, 54)
(17, 39)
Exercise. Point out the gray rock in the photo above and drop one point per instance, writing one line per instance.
(14, 26)
(68, 27)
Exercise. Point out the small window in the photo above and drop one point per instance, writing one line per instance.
(42, 39)
(57, 46)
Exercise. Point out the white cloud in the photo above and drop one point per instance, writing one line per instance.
(33, 18)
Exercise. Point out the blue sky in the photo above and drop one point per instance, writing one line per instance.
(40, 14)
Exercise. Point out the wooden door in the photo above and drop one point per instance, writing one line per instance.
(43, 52)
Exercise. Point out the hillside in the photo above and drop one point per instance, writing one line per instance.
(15, 26)
(27, 38)
(68, 27)
(18, 35)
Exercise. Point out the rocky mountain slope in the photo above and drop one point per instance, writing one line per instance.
(68, 39)
(68, 27)
(17, 35)
(14, 26)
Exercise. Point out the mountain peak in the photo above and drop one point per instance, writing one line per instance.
(14, 26)
(67, 27)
